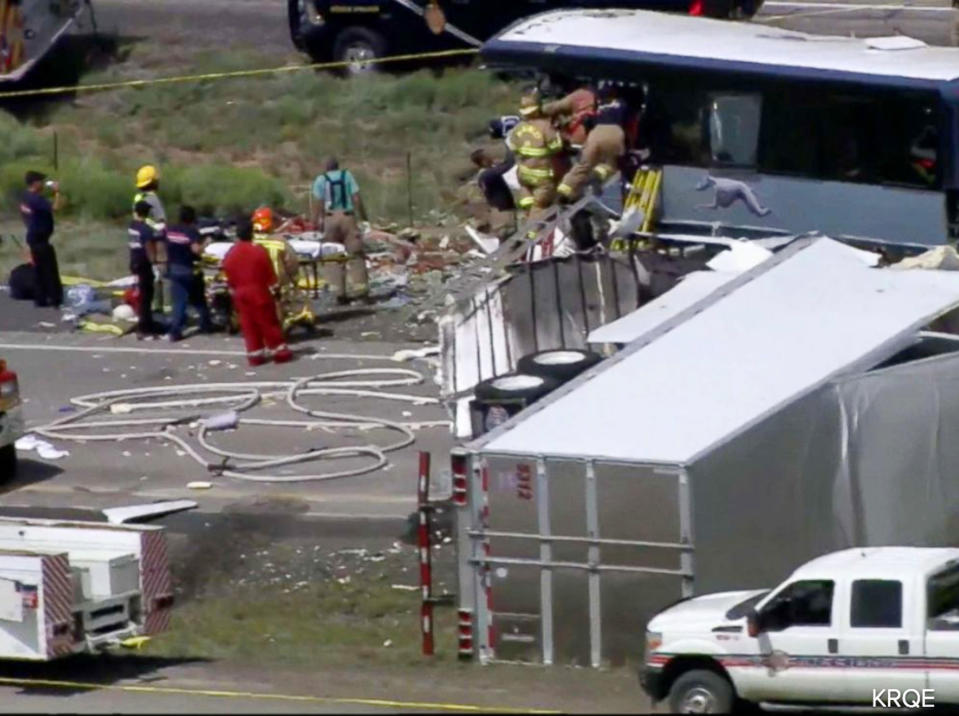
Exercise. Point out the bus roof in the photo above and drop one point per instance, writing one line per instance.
(576, 39)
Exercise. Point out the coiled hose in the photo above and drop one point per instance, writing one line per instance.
(241, 397)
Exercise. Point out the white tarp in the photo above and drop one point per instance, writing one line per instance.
(812, 312)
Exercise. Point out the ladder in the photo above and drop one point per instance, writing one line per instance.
(643, 196)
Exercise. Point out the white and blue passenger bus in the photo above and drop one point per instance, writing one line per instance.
(761, 131)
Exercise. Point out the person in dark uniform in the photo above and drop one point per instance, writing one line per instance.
(184, 246)
(142, 240)
(37, 213)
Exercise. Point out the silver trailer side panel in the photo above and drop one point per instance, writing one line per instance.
(571, 557)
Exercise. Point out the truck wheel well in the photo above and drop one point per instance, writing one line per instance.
(681, 664)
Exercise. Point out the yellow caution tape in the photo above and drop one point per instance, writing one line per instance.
(384, 703)
(102, 87)
(77, 280)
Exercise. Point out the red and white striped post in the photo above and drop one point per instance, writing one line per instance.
(426, 565)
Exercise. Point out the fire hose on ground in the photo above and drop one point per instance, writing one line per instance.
(241, 397)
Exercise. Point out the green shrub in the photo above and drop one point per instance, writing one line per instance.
(225, 188)
(18, 141)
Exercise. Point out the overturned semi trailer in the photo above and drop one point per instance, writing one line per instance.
(549, 304)
(799, 407)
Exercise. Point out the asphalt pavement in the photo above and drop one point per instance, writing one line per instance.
(54, 368)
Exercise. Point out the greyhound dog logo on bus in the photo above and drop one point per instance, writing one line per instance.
(729, 191)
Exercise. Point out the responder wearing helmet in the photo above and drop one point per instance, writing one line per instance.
(535, 143)
(572, 111)
(147, 184)
(604, 148)
(293, 304)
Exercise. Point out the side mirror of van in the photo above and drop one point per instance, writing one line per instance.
(753, 623)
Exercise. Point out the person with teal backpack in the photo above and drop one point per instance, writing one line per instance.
(338, 203)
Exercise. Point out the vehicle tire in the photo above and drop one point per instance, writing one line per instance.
(297, 18)
(746, 9)
(355, 44)
(719, 9)
(8, 463)
(701, 692)
(561, 365)
(515, 386)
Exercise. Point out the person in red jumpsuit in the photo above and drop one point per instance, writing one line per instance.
(252, 280)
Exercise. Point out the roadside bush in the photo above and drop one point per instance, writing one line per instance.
(226, 188)
(18, 140)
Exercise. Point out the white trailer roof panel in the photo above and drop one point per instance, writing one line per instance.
(693, 287)
(674, 40)
(809, 313)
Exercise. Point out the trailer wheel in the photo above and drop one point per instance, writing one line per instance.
(8, 462)
(720, 9)
(358, 45)
(746, 9)
(701, 692)
(515, 386)
(564, 364)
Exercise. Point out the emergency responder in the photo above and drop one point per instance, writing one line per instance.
(571, 112)
(535, 143)
(338, 202)
(142, 242)
(37, 213)
(253, 284)
(184, 246)
(147, 185)
(293, 303)
(605, 146)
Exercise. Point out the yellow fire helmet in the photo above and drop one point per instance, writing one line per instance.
(530, 105)
(146, 175)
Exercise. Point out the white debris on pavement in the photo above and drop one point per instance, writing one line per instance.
(44, 449)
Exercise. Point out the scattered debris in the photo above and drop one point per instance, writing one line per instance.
(120, 515)
(199, 485)
(44, 449)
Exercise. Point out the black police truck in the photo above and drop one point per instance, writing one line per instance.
(357, 31)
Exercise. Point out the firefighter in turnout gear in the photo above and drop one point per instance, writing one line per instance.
(605, 146)
(535, 143)
(293, 303)
(338, 203)
(147, 184)
(571, 112)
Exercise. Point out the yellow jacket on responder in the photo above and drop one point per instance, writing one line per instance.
(535, 143)
(285, 263)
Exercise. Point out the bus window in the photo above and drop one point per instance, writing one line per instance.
(734, 129)
(675, 124)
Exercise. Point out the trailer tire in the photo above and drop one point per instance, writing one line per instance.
(562, 365)
(8, 462)
(515, 386)
(358, 43)
(701, 691)
(719, 9)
